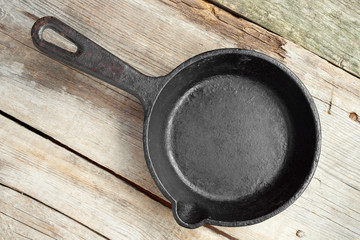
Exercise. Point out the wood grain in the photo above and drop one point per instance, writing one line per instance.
(83, 191)
(105, 124)
(328, 28)
(13, 229)
(23, 217)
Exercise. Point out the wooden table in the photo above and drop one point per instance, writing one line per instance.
(71, 157)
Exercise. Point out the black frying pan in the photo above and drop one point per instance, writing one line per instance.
(231, 136)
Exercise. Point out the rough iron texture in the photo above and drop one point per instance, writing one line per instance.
(231, 136)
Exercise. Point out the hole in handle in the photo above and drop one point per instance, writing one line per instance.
(53, 37)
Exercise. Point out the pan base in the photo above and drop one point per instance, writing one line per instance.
(228, 137)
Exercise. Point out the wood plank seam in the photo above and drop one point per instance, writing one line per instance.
(45, 221)
(196, 7)
(234, 21)
(136, 101)
(53, 140)
(146, 192)
(193, 5)
(237, 15)
(127, 181)
(56, 210)
(320, 97)
(189, 4)
(84, 186)
(17, 220)
(329, 30)
(22, 235)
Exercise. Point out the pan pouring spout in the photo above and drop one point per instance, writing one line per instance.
(231, 136)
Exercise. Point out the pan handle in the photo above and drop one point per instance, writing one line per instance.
(95, 60)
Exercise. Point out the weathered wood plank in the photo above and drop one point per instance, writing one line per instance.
(104, 123)
(13, 229)
(83, 191)
(328, 28)
(23, 212)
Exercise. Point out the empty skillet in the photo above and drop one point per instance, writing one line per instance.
(231, 136)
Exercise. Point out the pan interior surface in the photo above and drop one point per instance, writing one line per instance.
(232, 139)
(228, 137)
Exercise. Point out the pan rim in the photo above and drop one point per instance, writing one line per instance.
(317, 147)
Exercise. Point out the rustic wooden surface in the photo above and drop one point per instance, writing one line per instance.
(329, 28)
(74, 144)
(22, 215)
(81, 190)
